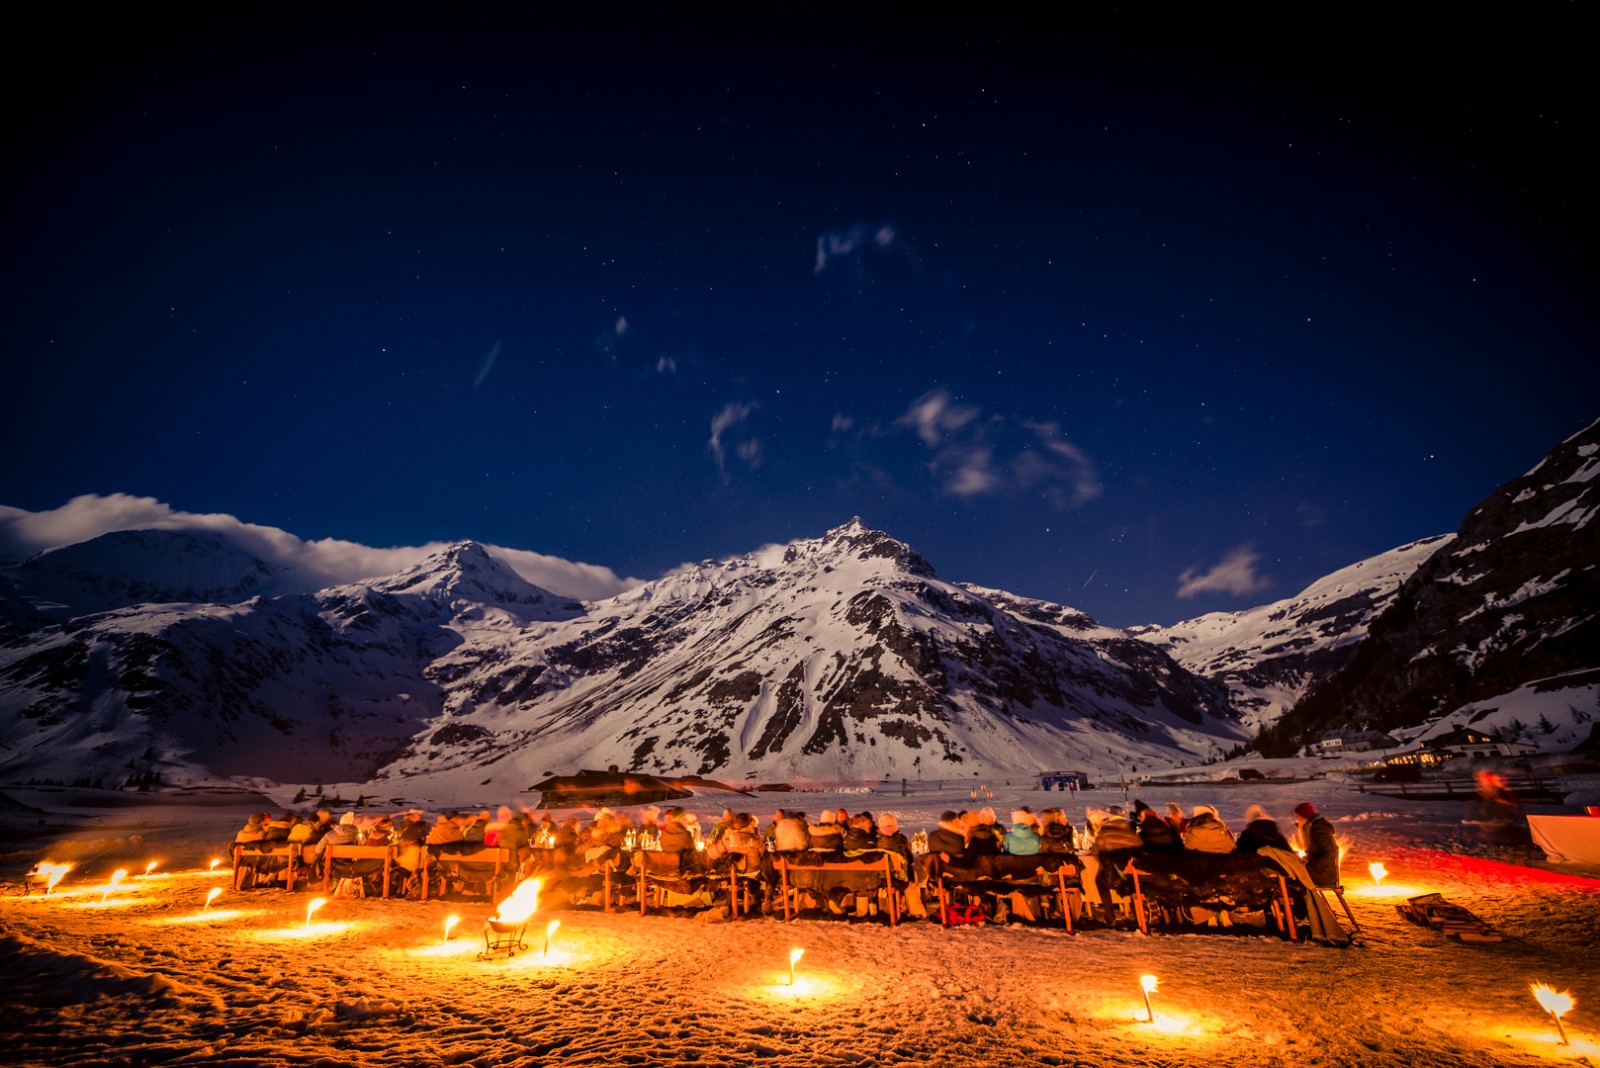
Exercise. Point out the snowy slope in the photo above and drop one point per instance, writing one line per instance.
(1270, 656)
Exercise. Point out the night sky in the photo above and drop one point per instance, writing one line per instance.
(1144, 316)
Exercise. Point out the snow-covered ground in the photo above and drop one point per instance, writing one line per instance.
(142, 974)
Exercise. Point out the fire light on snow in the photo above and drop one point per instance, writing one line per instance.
(311, 909)
(214, 893)
(1557, 1005)
(548, 931)
(449, 925)
(1148, 984)
(794, 957)
(116, 877)
(1378, 872)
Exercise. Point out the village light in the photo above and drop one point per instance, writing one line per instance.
(1557, 1005)
(1148, 984)
(216, 892)
(1378, 872)
(116, 877)
(316, 903)
(794, 955)
(449, 923)
(548, 931)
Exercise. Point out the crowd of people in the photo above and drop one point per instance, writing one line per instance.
(578, 848)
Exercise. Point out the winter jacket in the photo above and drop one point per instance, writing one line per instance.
(1157, 833)
(1057, 838)
(1116, 833)
(1322, 851)
(1023, 841)
(1207, 834)
(949, 839)
(1258, 833)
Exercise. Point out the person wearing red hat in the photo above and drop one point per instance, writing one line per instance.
(1314, 835)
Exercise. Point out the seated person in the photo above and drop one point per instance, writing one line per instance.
(1206, 833)
(949, 839)
(890, 840)
(1055, 833)
(1154, 831)
(1260, 830)
(1023, 839)
(826, 836)
(675, 834)
(1315, 837)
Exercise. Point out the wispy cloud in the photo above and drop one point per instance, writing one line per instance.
(1235, 574)
(728, 418)
(976, 453)
(864, 253)
(311, 564)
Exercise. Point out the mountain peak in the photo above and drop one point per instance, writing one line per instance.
(464, 571)
(860, 541)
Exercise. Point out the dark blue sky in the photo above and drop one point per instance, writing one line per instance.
(1076, 310)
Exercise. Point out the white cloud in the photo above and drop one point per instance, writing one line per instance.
(666, 365)
(730, 416)
(847, 243)
(1236, 574)
(976, 454)
(311, 564)
(934, 416)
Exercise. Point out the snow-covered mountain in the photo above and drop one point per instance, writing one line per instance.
(1499, 627)
(325, 686)
(1271, 656)
(843, 656)
(839, 657)
(130, 567)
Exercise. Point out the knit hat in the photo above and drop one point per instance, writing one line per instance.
(1202, 810)
(348, 819)
(1023, 816)
(1255, 812)
(1306, 810)
(947, 816)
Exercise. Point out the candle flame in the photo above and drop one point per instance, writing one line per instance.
(449, 923)
(118, 875)
(216, 892)
(316, 903)
(150, 867)
(1149, 983)
(522, 903)
(214, 862)
(548, 931)
(1378, 871)
(1557, 1005)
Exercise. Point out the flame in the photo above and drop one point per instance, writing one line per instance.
(1557, 1005)
(214, 862)
(216, 892)
(316, 903)
(555, 925)
(449, 923)
(150, 867)
(1378, 871)
(1149, 983)
(522, 903)
(116, 877)
(55, 872)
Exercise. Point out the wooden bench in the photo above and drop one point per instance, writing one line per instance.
(287, 852)
(490, 856)
(1166, 885)
(1053, 873)
(357, 853)
(818, 873)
